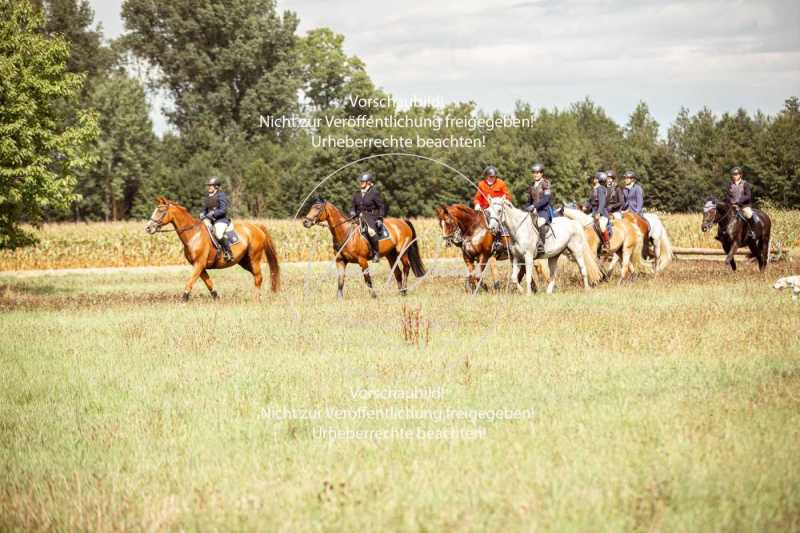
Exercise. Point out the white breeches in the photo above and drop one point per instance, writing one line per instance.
(219, 228)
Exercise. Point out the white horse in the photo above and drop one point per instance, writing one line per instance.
(662, 246)
(564, 235)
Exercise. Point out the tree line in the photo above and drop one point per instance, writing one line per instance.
(77, 143)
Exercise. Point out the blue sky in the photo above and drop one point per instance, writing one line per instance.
(721, 54)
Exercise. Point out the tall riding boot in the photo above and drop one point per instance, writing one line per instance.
(374, 243)
(646, 245)
(751, 228)
(542, 236)
(226, 249)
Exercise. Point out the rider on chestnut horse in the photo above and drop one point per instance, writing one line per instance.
(368, 205)
(597, 205)
(539, 198)
(492, 187)
(615, 198)
(215, 215)
(633, 204)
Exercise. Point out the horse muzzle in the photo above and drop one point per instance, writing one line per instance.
(705, 227)
(151, 228)
(307, 222)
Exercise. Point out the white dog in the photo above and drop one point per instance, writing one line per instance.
(787, 282)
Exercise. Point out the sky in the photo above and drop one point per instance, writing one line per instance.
(718, 54)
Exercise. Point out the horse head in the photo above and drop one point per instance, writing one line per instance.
(162, 215)
(316, 213)
(448, 221)
(710, 214)
(496, 214)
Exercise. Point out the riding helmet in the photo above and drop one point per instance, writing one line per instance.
(611, 174)
(215, 181)
(365, 177)
(630, 174)
(490, 171)
(537, 167)
(601, 176)
(736, 170)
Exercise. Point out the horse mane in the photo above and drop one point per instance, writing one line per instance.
(464, 214)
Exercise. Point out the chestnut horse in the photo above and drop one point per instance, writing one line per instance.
(625, 243)
(466, 228)
(255, 242)
(350, 246)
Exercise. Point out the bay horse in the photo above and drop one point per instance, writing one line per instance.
(732, 231)
(350, 246)
(567, 236)
(624, 245)
(254, 243)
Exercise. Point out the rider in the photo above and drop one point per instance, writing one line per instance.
(615, 198)
(215, 214)
(740, 194)
(492, 187)
(368, 204)
(599, 206)
(633, 194)
(633, 201)
(539, 197)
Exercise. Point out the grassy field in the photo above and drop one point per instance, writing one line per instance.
(672, 403)
(117, 244)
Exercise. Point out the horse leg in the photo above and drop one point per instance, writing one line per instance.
(367, 277)
(209, 284)
(406, 270)
(395, 266)
(552, 264)
(199, 267)
(729, 260)
(528, 271)
(515, 274)
(470, 272)
(340, 267)
(257, 277)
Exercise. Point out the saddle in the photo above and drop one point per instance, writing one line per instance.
(230, 235)
(382, 235)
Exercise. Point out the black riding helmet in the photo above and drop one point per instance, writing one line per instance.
(215, 181)
(490, 171)
(602, 177)
(630, 174)
(366, 177)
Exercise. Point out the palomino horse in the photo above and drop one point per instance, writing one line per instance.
(564, 235)
(732, 231)
(351, 247)
(625, 242)
(255, 242)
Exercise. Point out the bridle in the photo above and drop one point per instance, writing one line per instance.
(177, 230)
(317, 222)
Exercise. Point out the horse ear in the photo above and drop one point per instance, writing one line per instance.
(160, 200)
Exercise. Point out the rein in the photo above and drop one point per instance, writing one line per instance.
(177, 230)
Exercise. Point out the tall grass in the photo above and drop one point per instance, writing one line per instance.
(69, 245)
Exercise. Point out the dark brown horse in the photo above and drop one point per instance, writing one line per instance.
(733, 231)
(255, 242)
(350, 246)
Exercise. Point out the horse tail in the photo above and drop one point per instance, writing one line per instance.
(272, 259)
(413, 252)
(589, 260)
(666, 255)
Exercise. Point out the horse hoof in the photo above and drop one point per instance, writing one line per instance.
(373, 295)
(214, 295)
(185, 297)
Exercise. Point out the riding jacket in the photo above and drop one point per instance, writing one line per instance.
(369, 205)
(634, 198)
(739, 194)
(615, 199)
(539, 197)
(215, 208)
(597, 201)
(486, 192)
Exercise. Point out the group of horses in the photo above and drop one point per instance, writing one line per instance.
(573, 233)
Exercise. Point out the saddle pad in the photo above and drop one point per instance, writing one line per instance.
(232, 236)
